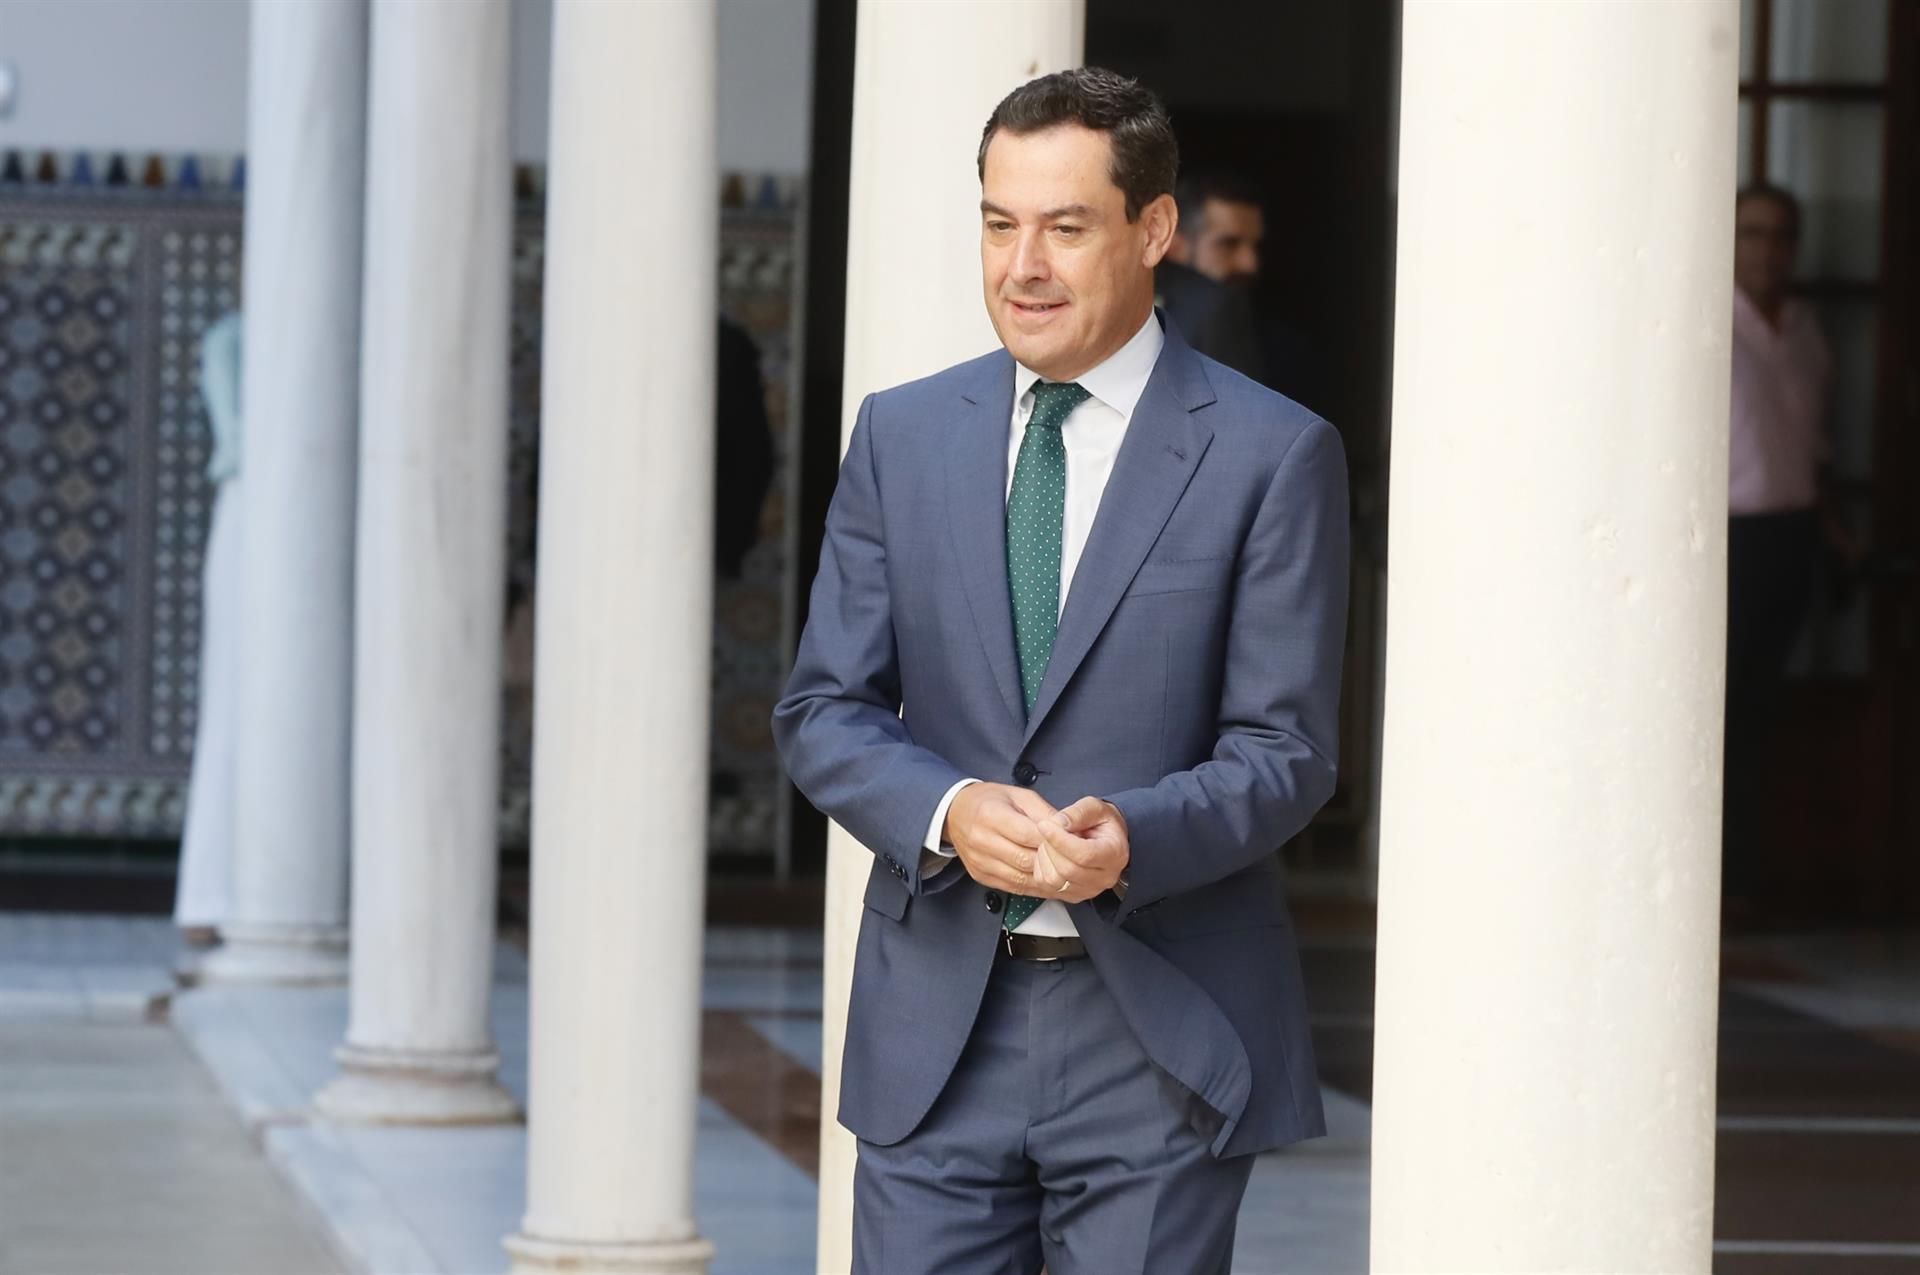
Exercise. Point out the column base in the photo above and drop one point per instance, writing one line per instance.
(533, 1255)
(403, 1087)
(307, 955)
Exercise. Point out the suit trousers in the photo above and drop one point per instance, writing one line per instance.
(1055, 1141)
(1772, 560)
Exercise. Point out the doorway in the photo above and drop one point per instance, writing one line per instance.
(1827, 110)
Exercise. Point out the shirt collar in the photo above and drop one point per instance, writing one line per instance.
(1121, 379)
(1751, 325)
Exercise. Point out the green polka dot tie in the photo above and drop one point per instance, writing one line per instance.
(1036, 517)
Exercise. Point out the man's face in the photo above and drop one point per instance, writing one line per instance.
(1225, 246)
(1068, 279)
(1763, 248)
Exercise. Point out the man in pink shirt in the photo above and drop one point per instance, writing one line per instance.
(1780, 366)
(1778, 438)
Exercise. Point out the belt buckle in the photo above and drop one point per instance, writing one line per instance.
(1006, 940)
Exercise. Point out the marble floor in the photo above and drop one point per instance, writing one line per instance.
(116, 1149)
(439, 1200)
(1819, 1148)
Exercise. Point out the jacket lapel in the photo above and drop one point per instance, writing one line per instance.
(1162, 448)
(977, 516)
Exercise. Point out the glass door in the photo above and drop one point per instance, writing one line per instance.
(1822, 114)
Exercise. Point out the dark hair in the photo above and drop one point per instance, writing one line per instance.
(1145, 155)
(1194, 190)
(1779, 196)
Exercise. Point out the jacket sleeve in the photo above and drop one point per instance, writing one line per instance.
(1274, 764)
(838, 725)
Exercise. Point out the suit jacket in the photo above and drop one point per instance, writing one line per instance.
(1216, 320)
(1194, 682)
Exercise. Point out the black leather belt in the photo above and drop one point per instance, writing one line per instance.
(1041, 947)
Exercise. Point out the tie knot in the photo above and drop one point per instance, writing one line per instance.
(1053, 401)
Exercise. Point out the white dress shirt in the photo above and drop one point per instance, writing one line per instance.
(1777, 434)
(1092, 433)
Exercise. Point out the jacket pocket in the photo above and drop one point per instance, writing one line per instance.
(1190, 575)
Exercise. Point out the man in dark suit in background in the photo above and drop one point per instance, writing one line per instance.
(743, 446)
(1223, 229)
(1223, 239)
(1216, 320)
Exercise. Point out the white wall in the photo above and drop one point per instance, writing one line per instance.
(137, 75)
(170, 75)
(766, 85)
(532, 61)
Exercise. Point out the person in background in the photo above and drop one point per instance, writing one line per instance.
(1222, 228)
(1222, 238)
(1216, 320)
(743, 463)
(1204, 281)
(1776, 515)
(203, 886)
(742, 475)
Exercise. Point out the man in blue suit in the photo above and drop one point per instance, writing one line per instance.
(1071, 673)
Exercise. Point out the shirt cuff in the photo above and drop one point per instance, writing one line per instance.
(939, 853)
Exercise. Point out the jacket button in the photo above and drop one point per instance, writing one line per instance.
(995, 901)
(1024, 774)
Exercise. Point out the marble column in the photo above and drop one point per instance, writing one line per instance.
(1548, 923)
(926, 77)
(622, 647)
(426, 722)
(306, 127)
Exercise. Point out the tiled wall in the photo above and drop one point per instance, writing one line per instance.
(105, 288)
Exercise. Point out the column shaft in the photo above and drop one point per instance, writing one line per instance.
(1548, 923)
(431, 569)
(925, 79)
(624, 624)
(306, 128)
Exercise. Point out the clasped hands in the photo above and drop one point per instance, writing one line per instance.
(1013, 839)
